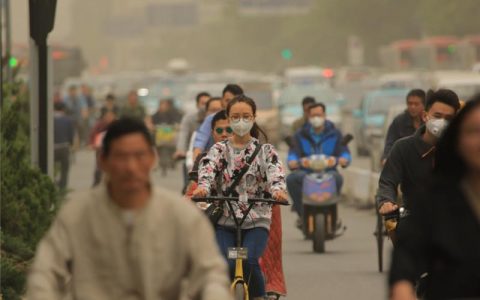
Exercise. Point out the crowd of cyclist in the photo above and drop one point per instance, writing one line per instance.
(431, 155)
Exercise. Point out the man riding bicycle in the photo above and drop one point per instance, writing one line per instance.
(410, 162)
(126, 238)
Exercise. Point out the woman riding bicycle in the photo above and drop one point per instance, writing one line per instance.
(265, 178)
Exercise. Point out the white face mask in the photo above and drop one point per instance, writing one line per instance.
(241, 127)
(436, 126)
(317, 122)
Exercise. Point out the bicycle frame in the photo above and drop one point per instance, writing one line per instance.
(240, 252)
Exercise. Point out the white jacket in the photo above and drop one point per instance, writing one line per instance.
(90, 252)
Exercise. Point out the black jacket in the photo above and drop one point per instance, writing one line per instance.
(402, 126)
(63, 129)
(409, 165)
(442, 234)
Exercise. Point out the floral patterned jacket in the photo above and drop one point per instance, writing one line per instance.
(265, 176)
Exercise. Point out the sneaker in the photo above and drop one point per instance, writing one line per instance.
(272, 296)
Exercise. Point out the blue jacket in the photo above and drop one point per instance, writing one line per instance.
(304, 144)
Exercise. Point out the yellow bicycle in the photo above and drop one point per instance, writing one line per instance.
(239, 286)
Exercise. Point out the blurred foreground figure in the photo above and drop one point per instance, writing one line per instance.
(444, 233)
(125, 239)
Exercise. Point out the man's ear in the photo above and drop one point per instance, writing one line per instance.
(424, 116)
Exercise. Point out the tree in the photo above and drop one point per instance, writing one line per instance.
(28, 197)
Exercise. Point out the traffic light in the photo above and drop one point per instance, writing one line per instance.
(13, 62)
(451, 49)
(287, 54)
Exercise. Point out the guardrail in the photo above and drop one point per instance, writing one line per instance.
(360, 186)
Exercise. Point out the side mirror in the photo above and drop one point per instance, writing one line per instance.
(357, 113)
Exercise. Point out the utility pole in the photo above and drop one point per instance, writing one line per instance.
(1, 54)
(8, 40)
(42, 19)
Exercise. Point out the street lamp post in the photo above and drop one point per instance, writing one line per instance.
(42, 19)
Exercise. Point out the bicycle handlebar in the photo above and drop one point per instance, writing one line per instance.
(236, 199)
(398, 213)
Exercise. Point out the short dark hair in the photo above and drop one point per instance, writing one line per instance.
(221, 115)
(235, 89)
(308, 100)
(122, 127)
(445, 96)
(207, 106)
(417, 93)
(200, 95)
(59, 106)
(317, 104)
(449, 164)
(110, 97)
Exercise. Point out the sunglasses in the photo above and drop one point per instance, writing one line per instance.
(219, 130)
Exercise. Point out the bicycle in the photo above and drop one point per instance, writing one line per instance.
(239, 286)
(385, 226)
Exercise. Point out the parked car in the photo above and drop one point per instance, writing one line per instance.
(464, 83)
(291, 103)
(371, 116)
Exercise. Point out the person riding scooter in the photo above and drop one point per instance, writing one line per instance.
(319, 136)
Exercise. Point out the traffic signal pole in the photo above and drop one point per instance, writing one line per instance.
(1, 55)
(42, 18)
(8, 40)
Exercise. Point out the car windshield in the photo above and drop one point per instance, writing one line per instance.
(294, 95)
(263, 99)
(380, 104)
(260, 92)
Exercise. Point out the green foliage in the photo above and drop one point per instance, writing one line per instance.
(28, 197)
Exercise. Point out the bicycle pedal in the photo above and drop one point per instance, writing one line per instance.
(237, 253)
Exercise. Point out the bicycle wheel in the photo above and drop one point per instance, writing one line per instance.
(240, 291)
(379, 234)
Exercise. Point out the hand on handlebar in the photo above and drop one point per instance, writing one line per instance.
(331, 161)
(387, 207)
(293, 164)
(199, 192)
(179, 155)
(280, 196)
(403, 290)
(343, 162)
(305, 163)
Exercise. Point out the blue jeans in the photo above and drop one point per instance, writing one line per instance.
(295, 184)
(255, 240)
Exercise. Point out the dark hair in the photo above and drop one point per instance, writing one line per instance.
(207, 106)
(308, 100)
(417, 93)
(221, 115)
(59, 106)
(110, 97)
(235, 89)
(122, 127)
(256, 130)
(445, 96)
(449, 164)
(200, 95)
(315, 105)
